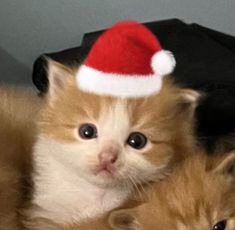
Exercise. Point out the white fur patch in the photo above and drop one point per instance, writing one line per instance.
(66, 187)
(64, 196)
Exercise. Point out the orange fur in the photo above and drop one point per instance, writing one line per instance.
(167, 119)
(18, 111)
(197, 195)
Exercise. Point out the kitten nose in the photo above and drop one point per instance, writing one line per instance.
(108, 157)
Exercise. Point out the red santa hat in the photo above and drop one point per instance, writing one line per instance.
(127, 60)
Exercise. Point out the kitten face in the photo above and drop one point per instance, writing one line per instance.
(112, 141)
(106, 158)
(196, 197)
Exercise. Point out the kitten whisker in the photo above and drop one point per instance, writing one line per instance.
(135, 186)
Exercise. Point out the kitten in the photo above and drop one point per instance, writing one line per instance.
(92, 151)
(18, 110)
(198, 195)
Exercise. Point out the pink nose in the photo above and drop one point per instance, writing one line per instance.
(108, 158)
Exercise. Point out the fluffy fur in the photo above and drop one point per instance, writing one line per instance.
(66, 187)
(197, 195)
(18, 111)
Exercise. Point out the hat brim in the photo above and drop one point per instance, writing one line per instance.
(119, 85)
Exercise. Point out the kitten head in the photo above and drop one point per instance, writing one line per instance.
(197, 196)
(111, 141)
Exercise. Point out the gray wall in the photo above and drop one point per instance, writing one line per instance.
(31, 27)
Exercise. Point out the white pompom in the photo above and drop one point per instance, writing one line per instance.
(163, 62)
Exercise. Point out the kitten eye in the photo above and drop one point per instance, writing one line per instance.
(220, 225)
(137, 140)
(87, 131)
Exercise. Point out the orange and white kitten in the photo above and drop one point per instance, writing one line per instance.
(200, 194)
(92, 151)
(18, 111)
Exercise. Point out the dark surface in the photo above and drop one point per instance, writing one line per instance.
(205, 61)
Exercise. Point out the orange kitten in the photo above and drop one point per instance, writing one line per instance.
(92, 151)
(18, 111)
(200, 194)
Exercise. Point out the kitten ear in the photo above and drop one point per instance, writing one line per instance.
(226, 167)
(188, 100)
(58, 74)
(123, 219)
(189, 96)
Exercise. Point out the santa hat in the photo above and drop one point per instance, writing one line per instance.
(127, 60)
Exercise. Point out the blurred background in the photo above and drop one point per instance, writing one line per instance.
(29, 28)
